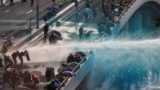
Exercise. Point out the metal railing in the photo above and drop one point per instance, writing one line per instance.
(124, 11)
(74, 70)
(117, 26)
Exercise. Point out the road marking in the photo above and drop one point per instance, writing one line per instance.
(20, 12)
(29, 11)
(7, 11)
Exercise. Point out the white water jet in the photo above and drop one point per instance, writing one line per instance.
(108, 55)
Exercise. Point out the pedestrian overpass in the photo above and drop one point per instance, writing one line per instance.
(139, 17)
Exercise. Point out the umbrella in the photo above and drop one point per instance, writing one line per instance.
(87, 34)
(68, 73)
(56, 34)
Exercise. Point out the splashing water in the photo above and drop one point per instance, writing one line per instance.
(109, 56)
(113, 56)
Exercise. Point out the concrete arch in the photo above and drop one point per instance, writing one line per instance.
(127, 15)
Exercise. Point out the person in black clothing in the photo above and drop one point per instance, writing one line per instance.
(54, 2)
(1, 64)
(26, 54)
(81, 32)
(46, 28)
(11, 2)
(32, 1)
(49, 74)
(27, 77)
(14, 56)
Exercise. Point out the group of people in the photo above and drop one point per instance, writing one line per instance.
(7, 61)
(113, 8)
(20, 56)
(12, 73)
(14, 77)
(65, 71)
(104, 28)
(45, 30)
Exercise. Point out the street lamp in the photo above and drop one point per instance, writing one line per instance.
(37, 14)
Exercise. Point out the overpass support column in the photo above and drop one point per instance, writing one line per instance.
(138, 21)
(125, 29)
(135, 22)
